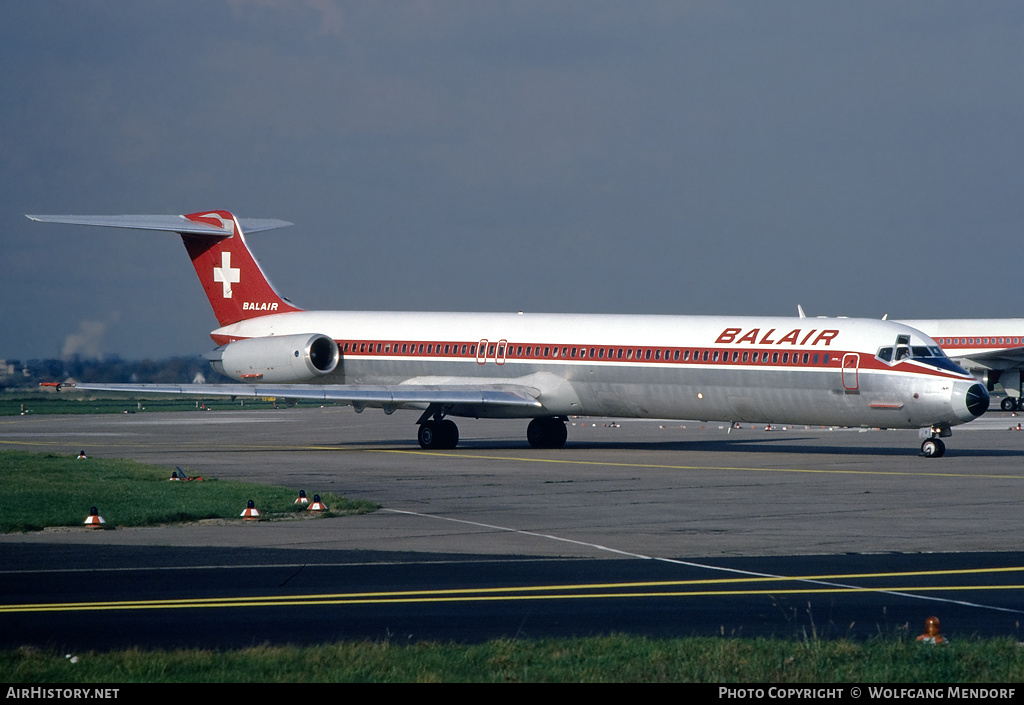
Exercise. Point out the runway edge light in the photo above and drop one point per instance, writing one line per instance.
(317, 505)
(251, 513)
(932, 634)
(94, 520)
(302, 498)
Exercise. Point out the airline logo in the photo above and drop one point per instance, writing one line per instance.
(794, 337)
(214, 219)
(226, 274)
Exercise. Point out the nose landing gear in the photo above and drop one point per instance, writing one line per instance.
(933, 447)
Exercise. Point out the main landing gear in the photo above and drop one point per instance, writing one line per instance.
(1011, 404)
(547, 432)
(439, 433)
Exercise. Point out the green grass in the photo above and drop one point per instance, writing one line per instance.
(52, 490)
(46, 490)
(72, 402)
(607, 659)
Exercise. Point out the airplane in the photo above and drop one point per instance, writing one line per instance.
(546, 367)
(991, 349)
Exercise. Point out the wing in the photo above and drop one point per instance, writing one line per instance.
(481, 400)
(1005, 359)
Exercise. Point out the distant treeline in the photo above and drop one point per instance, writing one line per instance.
(30, 373)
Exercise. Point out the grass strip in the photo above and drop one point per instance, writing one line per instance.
(50, 490)
(616, 658)
(72, 402)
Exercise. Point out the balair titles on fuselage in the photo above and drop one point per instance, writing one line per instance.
(793, 337)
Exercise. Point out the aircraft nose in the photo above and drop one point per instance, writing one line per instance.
(970, 400)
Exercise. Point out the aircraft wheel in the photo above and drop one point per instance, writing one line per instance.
(428, 435)
(438, 435)
(933, 448)
(1008, 404)
(449, 434)
(546, 433)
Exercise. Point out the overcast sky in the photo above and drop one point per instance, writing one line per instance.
(858, 158)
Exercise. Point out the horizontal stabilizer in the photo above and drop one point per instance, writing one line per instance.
(169, 223)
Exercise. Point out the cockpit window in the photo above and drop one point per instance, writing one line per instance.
(926, 354)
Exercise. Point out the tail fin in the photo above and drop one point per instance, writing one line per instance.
(236, 286)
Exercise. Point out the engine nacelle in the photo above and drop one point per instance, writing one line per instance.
(281, 359)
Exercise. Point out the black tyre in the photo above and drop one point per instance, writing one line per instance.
(546, 433)
(933, 448)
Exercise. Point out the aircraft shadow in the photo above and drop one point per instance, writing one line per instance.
(748, 446)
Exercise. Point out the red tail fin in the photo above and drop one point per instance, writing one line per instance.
(230, 275)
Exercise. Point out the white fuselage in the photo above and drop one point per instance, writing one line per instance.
(821, 371)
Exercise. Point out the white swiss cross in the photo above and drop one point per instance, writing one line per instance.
(226, 273)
